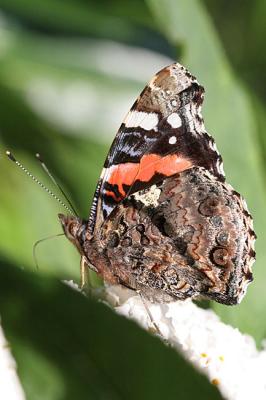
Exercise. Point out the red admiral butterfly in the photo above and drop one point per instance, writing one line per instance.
(163, 220)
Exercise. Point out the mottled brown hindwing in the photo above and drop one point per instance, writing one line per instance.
(190, 235)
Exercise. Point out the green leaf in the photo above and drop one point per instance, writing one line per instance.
(229, 118)
(71, 347)
(113, 19)
(72, 17)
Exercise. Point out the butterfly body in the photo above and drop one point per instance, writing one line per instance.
(163, 220)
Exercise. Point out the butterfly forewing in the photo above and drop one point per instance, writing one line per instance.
(162, 134)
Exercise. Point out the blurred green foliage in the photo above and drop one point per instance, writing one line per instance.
(70, 70)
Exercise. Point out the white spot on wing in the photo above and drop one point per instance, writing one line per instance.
(142, 119)
(172, 140)
(174, 120)
(150, 198)
(220, 168)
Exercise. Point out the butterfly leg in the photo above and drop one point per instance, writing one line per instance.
(154, 328)
(84, 273)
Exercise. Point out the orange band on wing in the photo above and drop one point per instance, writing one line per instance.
(150, 164)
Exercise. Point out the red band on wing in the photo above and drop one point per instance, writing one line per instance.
(150, 164)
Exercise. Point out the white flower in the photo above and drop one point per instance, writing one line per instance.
(228, 358)
(10, 387)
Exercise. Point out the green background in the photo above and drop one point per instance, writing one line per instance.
(69, 71)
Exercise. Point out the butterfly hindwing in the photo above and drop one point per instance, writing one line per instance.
(162, 134)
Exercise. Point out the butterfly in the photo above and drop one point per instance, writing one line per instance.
(163, 221)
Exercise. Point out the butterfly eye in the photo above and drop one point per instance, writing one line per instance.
(220, 256)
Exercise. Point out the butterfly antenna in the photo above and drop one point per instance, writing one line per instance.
(37, 244)
(45, 168)
(12, 158)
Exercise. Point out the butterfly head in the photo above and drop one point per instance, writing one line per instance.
(75, 229)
